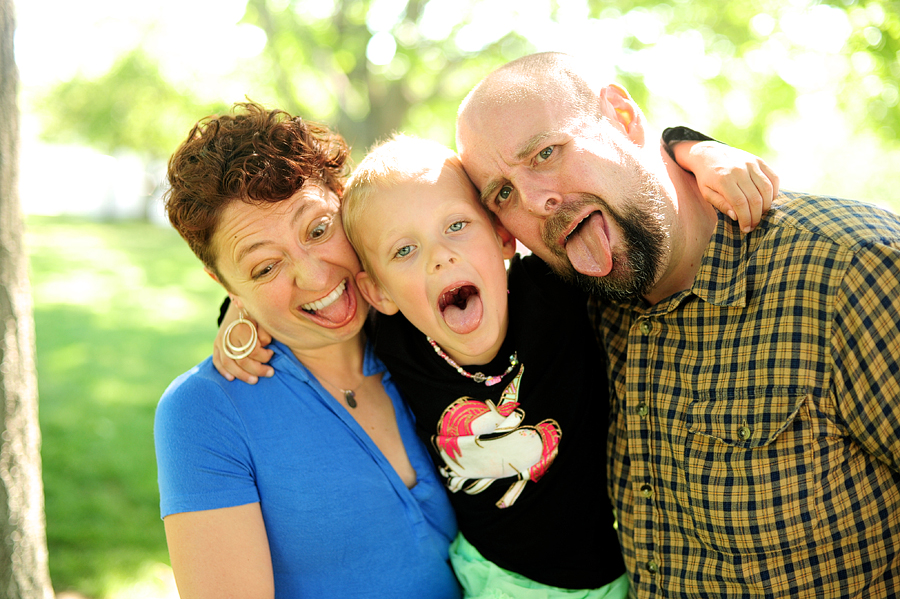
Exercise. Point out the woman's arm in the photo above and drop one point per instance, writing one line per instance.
(221, 554)
(736, 182)
(252, 367)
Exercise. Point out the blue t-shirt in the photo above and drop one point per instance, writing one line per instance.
(340, 521)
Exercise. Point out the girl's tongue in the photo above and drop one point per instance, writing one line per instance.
(461, 309)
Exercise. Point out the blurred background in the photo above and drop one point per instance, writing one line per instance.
(109, 88)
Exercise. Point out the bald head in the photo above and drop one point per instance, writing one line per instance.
(553, 75)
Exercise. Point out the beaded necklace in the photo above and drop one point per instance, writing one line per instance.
(478, 377)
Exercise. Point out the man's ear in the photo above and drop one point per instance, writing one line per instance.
(621, 110)
(507, 241)
(374, 294)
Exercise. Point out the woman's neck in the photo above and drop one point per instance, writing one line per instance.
(340, 362)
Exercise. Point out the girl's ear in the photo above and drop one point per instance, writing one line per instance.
(374, 294)
(621, 109)
(507, 241)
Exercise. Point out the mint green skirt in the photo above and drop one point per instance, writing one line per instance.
(482, 579)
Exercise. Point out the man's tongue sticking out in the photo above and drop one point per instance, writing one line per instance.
(588, 247)
(461, 309)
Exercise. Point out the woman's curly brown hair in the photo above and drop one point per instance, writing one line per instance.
(256, 156)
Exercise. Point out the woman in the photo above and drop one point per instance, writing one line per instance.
(312, 482)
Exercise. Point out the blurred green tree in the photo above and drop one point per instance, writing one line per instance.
(131, 107)
(369, 67)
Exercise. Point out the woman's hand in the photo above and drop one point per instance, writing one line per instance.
(247, 369)
(736, 182)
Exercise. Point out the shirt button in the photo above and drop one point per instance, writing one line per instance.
(744, 432)
(645, 327)
(643, 410)
(652, 567)
(647, 491)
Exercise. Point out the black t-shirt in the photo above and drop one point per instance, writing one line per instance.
(548, 419)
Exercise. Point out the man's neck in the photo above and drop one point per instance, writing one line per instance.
(693, 225)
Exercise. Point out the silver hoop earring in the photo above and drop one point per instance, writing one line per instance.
(239, 352)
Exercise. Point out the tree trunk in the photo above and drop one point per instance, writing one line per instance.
(23, 542)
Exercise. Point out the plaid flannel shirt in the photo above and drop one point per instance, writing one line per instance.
(755, 428)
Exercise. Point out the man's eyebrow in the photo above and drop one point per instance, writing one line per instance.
(488, 191)
(532, 144)
(527, 150)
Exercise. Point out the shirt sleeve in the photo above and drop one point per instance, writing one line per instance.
(866, 351)
(672, 135)
(203, 459)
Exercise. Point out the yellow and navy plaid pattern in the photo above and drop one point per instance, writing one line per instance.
(755, 432)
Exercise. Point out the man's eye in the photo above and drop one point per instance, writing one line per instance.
(505, 192)
(404, 251)
(544, 154)
(457, 226)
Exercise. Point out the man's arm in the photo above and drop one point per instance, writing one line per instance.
(221, 554)
(866, 352)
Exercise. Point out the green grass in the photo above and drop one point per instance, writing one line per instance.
(120, 310)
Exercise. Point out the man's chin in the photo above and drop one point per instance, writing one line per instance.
(615, 286)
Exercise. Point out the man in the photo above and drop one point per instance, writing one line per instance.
(755, 377)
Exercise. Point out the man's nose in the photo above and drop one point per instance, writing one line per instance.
(538, 198)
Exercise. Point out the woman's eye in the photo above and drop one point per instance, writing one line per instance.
(262, 272)
(320, 229)
(504, 194)
(404, 251)
(457, 226)
(544, 154)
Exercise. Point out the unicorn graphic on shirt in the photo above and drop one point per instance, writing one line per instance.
(481, 442)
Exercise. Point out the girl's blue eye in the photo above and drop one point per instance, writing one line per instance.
(404, 251)
(457, 226)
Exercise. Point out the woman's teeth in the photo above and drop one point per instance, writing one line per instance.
(327, 300)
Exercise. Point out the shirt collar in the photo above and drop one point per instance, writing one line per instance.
(721, 280)
(284, 359)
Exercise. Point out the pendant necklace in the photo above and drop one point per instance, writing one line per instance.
(349, 394)
(478, 377)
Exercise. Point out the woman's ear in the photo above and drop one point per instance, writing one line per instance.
(507, 241)
(212, 275)
(374, 294)
(621, 109)
(234, 299)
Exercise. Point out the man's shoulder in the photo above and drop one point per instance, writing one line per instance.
(849, 223)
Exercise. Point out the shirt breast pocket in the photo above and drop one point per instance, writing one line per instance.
(751, 469)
